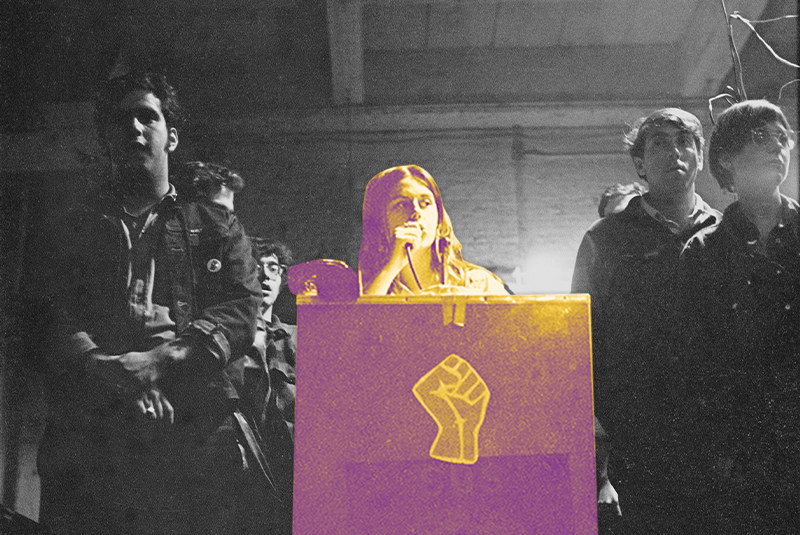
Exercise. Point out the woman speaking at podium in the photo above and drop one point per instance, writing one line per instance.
(408, 246)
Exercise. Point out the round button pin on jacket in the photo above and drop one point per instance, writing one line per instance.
(214, 265)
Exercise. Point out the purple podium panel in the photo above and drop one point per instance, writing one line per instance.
(452, 415)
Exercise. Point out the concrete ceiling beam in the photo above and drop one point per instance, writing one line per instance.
(347, 51)
(703, 49)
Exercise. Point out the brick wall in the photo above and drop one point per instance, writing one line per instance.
(521, 214)
(307, 191)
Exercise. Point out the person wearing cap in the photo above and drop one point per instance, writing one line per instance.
(155, 296)
(627, 262)
(740, 312)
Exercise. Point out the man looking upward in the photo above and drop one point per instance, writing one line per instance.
(627, 262)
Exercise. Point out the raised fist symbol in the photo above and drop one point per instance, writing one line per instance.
(456, 397)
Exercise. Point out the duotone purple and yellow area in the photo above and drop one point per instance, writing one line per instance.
(369, 373)
(456, 398)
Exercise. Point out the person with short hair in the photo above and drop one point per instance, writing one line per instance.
(740, 312)
(268, 393)
(155, 296)
(212, 181)
(627, 262)
(408, 245)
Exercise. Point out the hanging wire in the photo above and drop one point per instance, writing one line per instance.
(730, 98)
(780, 91)
(748, 23)
(737, 63)
(739, 94)
(774, 19)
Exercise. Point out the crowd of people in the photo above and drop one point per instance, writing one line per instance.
(172, 382)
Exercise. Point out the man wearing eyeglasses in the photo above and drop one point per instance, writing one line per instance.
(269, 381)
(627, 262)
(740, 313)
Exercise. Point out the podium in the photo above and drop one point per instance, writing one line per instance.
(444, 414)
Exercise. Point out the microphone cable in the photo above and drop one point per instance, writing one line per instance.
(408, 248)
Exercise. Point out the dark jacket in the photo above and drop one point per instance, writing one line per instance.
(741, 299)
(740, 312)
(204, 274)
(628, 262)
(268, 396)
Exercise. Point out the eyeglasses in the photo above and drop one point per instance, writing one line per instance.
(762, 136)
(273, 269)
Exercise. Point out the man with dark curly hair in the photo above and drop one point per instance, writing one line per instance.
(269, 388)
(212, 181)
(627, 263)
(156, 298)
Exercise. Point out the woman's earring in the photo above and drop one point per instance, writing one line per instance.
(438, 246)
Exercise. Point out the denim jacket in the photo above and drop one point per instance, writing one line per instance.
(203, 274)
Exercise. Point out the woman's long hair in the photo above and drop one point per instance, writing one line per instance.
(376, 242)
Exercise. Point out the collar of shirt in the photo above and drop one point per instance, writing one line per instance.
(747, 233)
(168, 199)
(129, 221)
(700, 212)
(172, 194)
(275, 329)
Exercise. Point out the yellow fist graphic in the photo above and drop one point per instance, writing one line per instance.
(456, 397)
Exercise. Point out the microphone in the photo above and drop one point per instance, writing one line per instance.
(443, 245)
